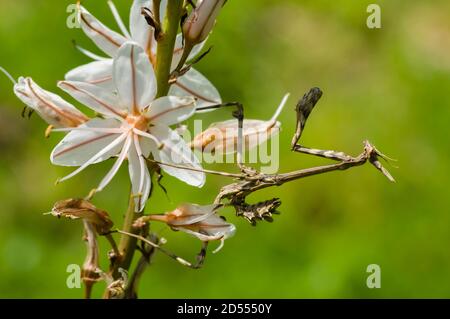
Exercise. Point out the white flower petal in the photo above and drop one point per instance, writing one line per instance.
(147, 145)
(118, 19)
(97, 73)
(170, 110)
(79, 146)
(118, 142)
(279, 108)
(196, 50)
(123, 154)
(177, 51)
(176, 152)
(147, 136)
(97, 98)
(141, 160)
(90, 54)
(194, 84)
(134, 77)
(118, 130)
(141, 32)
(140, 178)
(52, 108)
(106, 39)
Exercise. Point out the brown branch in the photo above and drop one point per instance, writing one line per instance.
(200, 257)
(142, 264)
(89, 273)
(237, 192)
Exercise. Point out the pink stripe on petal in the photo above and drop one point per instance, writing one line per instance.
(110, 146)
(75, 147)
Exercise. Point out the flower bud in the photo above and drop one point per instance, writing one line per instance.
(201, 20)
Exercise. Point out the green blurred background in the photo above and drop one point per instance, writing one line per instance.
(389, 85)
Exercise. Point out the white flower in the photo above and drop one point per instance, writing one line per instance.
(99, 72)
(222, 137)
(132, 126)
(199, 221)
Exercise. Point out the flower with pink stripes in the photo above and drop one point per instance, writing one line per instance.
(133, 124)
(99, 72)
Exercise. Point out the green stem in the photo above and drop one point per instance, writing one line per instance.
(166, 45)
(164, 55)
(127, 245)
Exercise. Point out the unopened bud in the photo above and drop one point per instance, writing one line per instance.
(201, 20)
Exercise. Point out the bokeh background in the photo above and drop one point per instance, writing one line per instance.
(389, 85)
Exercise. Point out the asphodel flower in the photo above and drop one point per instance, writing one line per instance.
(200, 22)
(199, 221)
(133, 124)
(222, 137)
(99, 72)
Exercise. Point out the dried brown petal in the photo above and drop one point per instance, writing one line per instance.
(83, 209)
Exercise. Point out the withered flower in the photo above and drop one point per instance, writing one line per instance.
(74, 208)
(199, 221)
(95, 221)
